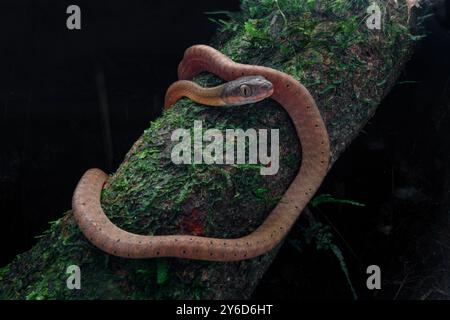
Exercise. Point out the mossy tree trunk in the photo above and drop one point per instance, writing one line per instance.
(327, 46)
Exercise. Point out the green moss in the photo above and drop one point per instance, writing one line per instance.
(4, 271)
(39, 292)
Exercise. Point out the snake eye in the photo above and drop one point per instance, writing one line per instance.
(245, 90)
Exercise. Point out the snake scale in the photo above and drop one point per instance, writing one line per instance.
(309, 126)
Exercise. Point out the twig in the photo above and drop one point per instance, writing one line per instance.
(282, 14)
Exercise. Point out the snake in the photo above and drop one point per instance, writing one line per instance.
(244, 83)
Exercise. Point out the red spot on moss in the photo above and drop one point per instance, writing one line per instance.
(193, 223)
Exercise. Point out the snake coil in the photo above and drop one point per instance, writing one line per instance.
(312, 133)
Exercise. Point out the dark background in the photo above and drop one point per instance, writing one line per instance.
(52, 129)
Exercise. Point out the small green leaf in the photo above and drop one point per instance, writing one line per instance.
(328, 198)
(3, 271)
(260, 192)
(328, 88)
(407, 82)
(144, 272)
(162, 269)
(250, 28)
(417, 37)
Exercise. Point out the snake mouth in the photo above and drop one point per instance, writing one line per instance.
(265, 92)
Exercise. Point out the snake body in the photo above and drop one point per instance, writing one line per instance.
(310, 128)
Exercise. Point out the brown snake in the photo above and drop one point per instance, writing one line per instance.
(310, 128)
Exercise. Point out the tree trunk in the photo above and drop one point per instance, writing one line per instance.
(327, 46)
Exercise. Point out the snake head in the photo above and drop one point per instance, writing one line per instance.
(248, 89)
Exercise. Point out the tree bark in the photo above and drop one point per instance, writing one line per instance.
(327, 46)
